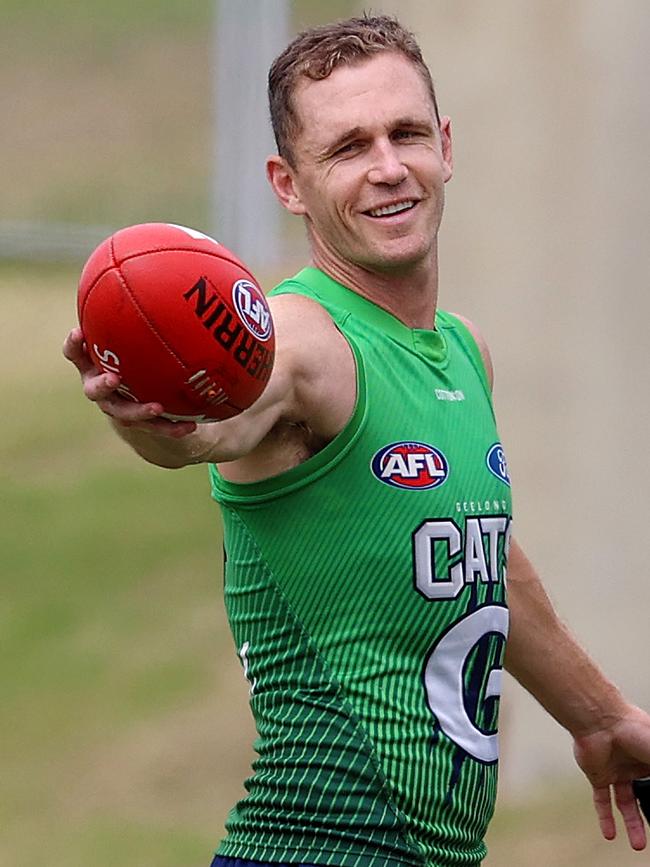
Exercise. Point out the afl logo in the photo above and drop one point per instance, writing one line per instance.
(253, 311)
(497, 464)
(411, 466)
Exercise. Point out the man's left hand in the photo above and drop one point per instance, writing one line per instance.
(612, 758)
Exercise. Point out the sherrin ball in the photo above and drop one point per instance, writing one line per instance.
(181, 320)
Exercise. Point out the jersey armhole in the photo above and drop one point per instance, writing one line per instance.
(295, 287)
(469, 341)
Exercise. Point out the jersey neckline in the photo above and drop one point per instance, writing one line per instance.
(427, 342)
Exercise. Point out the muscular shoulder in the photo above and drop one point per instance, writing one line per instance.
(295, 317)
(316, 358)
(482, 345)
(309, 399)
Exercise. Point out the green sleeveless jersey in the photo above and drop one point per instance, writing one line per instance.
(366, 593)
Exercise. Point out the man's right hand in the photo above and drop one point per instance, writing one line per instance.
(312, 387)
(101, 388)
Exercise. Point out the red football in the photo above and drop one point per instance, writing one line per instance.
(179, 318)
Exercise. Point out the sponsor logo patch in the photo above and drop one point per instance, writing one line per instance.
(253, 311)
(497, 464)
(443, 394)
(411, 466)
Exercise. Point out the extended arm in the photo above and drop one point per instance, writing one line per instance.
(176, 444)
(312, 382)
(611, 737)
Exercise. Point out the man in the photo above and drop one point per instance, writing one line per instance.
(366, 504)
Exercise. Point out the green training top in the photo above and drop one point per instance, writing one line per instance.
(366, 594)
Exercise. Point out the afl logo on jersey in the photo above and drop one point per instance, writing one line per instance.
(497, 464)
(252, 308)
(411, 466)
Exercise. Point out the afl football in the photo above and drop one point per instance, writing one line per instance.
(179, 318)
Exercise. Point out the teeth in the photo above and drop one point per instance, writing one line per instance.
(391, 209)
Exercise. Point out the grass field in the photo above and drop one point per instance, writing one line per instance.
(115, 690)
(124, 733)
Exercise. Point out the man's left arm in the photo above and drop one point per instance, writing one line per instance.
(611, 736)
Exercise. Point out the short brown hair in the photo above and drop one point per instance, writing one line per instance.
(316, 52)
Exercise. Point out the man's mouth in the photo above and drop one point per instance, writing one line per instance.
(389, 210)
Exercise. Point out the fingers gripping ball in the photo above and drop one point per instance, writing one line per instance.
(179, 318)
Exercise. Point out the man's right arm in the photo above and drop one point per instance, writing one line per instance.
(298, 390)
(176, 444)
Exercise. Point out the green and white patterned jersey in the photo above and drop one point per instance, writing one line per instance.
(366, 593)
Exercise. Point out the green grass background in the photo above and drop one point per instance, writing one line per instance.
(117, 669)
(124, 729)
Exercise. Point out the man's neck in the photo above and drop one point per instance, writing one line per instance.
(410, 295)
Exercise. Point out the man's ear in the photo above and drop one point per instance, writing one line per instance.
(445, 142)
(281, 178)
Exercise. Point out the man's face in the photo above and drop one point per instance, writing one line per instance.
(371, 164)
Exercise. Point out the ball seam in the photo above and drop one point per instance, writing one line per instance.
(113, 264)
(141, 314)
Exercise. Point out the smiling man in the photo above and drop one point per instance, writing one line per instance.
(366, 505)
(367, 170)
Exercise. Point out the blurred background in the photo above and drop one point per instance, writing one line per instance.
(124, 729)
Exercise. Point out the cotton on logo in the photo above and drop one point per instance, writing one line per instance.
(410, 465)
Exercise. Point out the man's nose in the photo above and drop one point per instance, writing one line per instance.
(387, 166)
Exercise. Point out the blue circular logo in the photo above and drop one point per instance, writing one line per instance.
(497, 464)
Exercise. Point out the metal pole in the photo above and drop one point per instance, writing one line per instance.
(245, 216)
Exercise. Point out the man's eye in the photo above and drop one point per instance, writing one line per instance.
(347, 148)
